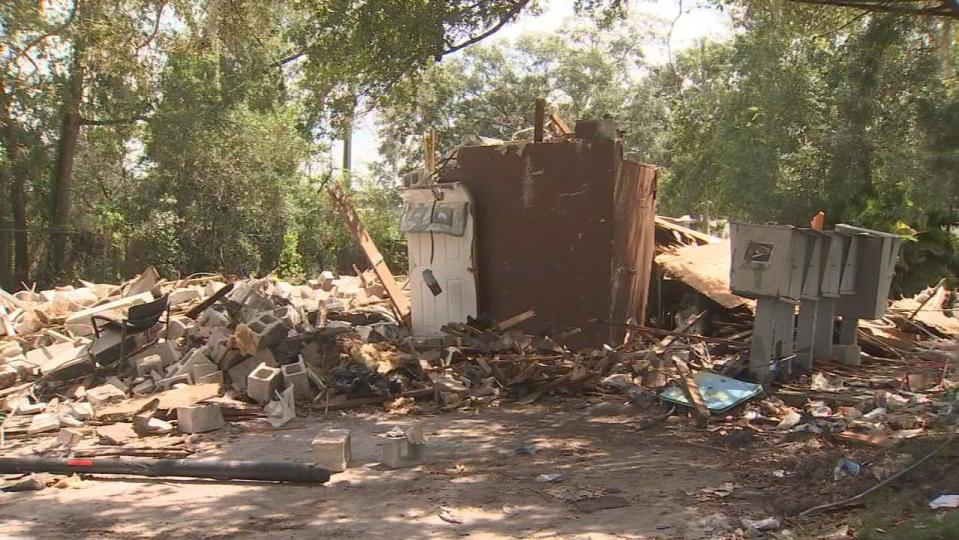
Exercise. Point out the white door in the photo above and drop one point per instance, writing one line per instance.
(439, 234)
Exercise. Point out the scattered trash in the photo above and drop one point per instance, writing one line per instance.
(845, 467)
(944, 501)
(450, 516)
(549, 478)
(765, 524)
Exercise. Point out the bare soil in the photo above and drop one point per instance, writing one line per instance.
(473, 475)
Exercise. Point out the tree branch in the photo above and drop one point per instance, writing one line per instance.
(54, 32)
(506, 18)
(113, 121)
(156, 27)
(944, 9)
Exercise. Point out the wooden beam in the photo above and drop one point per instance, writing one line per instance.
(561, 126)
(514, 320)
(353, 222)
(691, 389)
(539, 119)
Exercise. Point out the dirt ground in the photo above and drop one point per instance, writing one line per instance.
(473, 475)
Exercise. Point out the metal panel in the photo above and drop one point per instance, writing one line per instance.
(449, 258)
(545, 222)
(762, 260)
(876, 263)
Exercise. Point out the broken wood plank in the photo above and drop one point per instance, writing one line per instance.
(171, 399)
(514, 320)
(880, 440)
(691, 389)
(5, 325)
(353, 222)
(83, 320)
(561, 126)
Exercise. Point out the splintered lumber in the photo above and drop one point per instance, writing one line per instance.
(11, 300)
(691, 389)
(561, 126)
(400, 302)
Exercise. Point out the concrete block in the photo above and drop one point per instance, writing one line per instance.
(199, 418)
(179, 327)
(215, 377)
(115, 381)
(193, 358)
(259, 335)
(202, 369)
(103, 394)
(144, 388)
(212, 287)
(288, 314)
(239, 373)
(169, 382)
(43, 422)
(166, 350)
(331, 450)
(262, 383)
(147, 364)
(295, 375)
(181, 296)
(212, 318)
(70, 437)
(847, 355)
(399, 452)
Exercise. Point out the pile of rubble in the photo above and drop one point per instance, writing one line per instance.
(251, 338)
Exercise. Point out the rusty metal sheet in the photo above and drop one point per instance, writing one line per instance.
(562, 228)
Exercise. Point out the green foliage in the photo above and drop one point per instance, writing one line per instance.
(488, 91)
(810, 109)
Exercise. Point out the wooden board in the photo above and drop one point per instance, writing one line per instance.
(171, 399)
(706, 269)
(353, 222)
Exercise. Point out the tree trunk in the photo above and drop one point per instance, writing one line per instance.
(6, 278)
(21, 263)
(63, 173)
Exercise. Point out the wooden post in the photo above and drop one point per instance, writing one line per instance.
(539, 119)
(400, 302)
(691, 389)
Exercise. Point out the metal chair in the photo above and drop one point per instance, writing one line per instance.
(139, 319)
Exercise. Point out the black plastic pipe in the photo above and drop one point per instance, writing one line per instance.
(267, 471)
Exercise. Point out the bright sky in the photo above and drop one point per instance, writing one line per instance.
(696, 21)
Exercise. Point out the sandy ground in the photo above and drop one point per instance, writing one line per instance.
(473, 474)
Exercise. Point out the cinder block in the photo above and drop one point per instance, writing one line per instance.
(331, 450)
(103, 394)
(70, 436)
(215, 377)
(203, 369)
(847, 355)
(399, 452)
(165, 349)
(240, 372)
(199, 418)
(178, 327)
(148, 364)
(180, 296)
(289, 315)
(263, 335)
(295, 375)
(262, 383)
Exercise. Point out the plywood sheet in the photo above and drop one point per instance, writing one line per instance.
(706, 269)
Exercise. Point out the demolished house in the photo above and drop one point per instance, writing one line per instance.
(536, 269)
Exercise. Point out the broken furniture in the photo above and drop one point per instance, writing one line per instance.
(439, 225)
(845, 272)
(140, 318)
